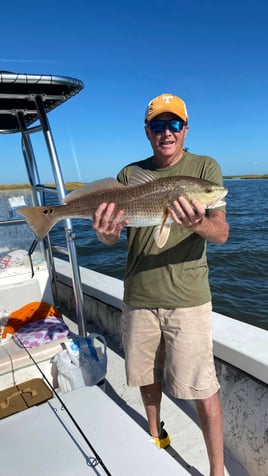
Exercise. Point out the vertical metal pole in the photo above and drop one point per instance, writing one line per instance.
(33, 176)
(70, 238)
(29, 158)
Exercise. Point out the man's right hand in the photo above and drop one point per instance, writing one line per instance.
(107, 226)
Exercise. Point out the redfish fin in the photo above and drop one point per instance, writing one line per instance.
(39, 219)
(161, 234)
(99, 185)
(140, 176)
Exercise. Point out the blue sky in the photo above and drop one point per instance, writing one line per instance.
(212, 53)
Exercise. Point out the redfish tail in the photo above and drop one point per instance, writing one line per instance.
(40, 219)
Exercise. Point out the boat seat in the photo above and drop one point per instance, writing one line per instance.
(18, 290)
(16, 365)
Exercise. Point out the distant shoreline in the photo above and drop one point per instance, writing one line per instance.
(68, 186)
(75, 185)
(263, 176)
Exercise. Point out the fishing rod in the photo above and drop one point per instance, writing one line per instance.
(30, 252)
(98, 459)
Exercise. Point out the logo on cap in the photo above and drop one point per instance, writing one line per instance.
(167, 99)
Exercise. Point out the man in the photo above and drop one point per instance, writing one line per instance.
(166, 318)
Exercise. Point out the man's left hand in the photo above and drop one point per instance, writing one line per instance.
(186, 214)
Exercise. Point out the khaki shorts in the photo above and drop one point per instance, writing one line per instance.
(172, 343)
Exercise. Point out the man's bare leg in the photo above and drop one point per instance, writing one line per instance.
(210, 416)
(151, 397)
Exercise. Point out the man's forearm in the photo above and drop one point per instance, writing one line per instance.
(213, 228)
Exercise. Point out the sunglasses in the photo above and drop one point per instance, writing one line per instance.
(173, 125)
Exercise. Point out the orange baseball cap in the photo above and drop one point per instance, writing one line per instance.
(166, 103)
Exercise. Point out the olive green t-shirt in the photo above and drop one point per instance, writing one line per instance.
(177, 274)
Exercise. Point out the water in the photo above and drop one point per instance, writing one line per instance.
(238, 269)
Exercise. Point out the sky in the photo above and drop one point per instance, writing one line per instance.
(212, 53)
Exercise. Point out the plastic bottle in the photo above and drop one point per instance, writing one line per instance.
(73, 350)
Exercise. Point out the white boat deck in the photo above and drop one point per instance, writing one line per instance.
(187, 444)
(122, 445)
(114, 422)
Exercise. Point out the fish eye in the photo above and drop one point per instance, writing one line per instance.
(208, 190)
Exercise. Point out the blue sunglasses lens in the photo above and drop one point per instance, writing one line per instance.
(173, 125)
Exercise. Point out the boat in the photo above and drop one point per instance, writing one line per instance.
(99, 428)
